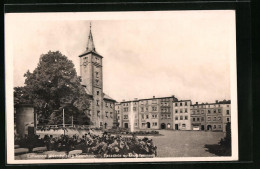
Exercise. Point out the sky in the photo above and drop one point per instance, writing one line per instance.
(145, 54)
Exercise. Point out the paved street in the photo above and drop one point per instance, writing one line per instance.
(185, 143)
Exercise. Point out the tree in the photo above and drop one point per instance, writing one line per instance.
(51, 85)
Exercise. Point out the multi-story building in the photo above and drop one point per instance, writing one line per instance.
(102, 107)
(149, 113)
(166, 115)
(118, 114)
(210, 116)
(129, 114)
(226, 107)
(152, 113)
(182, 115)
(198, 116)
(214, 116)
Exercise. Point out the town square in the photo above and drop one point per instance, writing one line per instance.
(123, 89)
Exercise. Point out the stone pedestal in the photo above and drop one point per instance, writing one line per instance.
(24, 118)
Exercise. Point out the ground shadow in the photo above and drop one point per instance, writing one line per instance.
(218, 150)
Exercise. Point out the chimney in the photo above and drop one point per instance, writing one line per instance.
(153, 96)
(216, 101)
(136, 99)
(196, 102)
(123, 100)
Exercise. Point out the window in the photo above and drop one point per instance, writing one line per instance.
(180, 104)
(214, 127)
(176, 104)
(219, 118)
(134, 108)
(106, 104)
(227, 112)
(219, 110)
(111, 114)
(147, 116)
(97, 74)
(193, 119)
(202, 118)
(142, 116)
(161, 116)
(97, 102)
(125, 116)
(209, 111)
(181, 117)
(186, 110)
(202, 111)
(186, 104)
(154, 108)
(227, 105)
(198, 119)
(219, 126)
(142, 109)
(168, 116)
(176, 117)
(209, 118)
(135, 124)
(106, 114)
(97, 81)
(228, 119)
(219, 105)
(118, 117)
(97, 92)
(176, 111)
(146, 108)
(215, 118)
(183, 125)
(180, 110)
(155, 124)
(155, 116)
(214, 111)
(186, 117)
(143, 124)
(98, 113)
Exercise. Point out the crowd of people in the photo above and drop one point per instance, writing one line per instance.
(98, 145)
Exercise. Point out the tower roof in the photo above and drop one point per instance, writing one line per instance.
(90, 45)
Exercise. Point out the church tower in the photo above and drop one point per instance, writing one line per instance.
(92, 79)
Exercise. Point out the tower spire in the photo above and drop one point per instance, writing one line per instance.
(90, 44)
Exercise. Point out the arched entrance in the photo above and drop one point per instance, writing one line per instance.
(163, 126)
(126, 125)
(209, 127)
(148, 125)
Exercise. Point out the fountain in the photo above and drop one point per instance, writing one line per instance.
(131, 117)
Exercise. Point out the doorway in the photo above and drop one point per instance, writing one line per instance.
(176, 127)
(202, 127)
(209, 127)
(148, 125)
(126, 125)
(162, 126)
